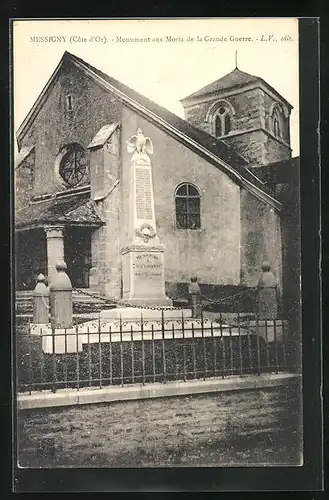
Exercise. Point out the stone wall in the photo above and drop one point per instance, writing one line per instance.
(275, 150)
(105, 180)
(235, 428)
(251, 145)
(23, 179)
(260, 239)
(291, 238)
(212, 252)
(55, 126)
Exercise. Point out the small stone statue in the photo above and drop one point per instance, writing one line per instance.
(267, 306)
(195, 292)
(139, 143)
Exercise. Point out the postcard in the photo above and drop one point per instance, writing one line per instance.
(158, 316)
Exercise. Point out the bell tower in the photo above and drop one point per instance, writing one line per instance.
(247, 113)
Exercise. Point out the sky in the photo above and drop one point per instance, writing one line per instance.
(170, 60)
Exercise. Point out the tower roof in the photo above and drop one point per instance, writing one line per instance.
(233, 80)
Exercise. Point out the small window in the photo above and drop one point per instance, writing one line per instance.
(187, 199)
(69, 104)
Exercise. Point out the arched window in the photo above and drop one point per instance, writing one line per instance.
(222, 121)
(73, 164)
(277, 122)
(187, 200)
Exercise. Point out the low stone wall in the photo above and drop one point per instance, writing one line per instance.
(251, 427)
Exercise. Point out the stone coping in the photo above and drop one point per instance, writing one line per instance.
(70, 397)
(72, 339)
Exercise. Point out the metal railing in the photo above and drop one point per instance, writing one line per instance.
(152, 351)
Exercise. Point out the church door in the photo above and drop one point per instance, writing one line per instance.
(77, 249)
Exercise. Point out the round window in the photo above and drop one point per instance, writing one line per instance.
(73, 165)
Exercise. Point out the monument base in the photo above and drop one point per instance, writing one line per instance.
(135, 313)
(143, 276)
(149, 302)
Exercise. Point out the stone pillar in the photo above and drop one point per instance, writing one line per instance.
(61, 306)
(195, 292)
(143, 256)
(55, 248)
(267, 304)
(41, 302)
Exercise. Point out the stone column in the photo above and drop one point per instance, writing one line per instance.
(267, 307)
(55, 248)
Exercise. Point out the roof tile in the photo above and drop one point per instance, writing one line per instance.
(235, 78)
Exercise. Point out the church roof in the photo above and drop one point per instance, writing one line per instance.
(68, 210)
(280, 172)
(214, 150)
(232, 81)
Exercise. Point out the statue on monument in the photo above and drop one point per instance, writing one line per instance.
(139, 143)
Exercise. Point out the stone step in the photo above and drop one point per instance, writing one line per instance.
(135, 313)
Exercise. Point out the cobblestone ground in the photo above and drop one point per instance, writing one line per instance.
(222, 429)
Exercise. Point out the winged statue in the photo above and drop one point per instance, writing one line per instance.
(139, 143)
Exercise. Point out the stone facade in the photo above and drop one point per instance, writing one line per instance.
(24, 180)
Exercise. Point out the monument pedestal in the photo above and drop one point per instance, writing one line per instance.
(143, 276)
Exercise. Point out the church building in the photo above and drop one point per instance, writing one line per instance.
(224, 182)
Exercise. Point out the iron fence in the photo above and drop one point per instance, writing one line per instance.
(124, 353)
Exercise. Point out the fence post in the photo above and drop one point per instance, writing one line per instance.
(195, 292)
(41, 301)
(61, 308)
(267, 303)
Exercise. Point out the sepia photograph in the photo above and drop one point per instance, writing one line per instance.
(157, 259)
